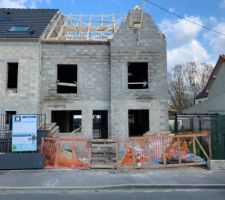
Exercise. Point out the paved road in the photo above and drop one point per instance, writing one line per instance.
(124, 195)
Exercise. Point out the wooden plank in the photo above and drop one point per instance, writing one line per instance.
(191, 135)
(88, 28)
(103, 159)
(194, 145)
(53, 28)
(67, 84)
(210, 146)
(100, 151)
(117, 155)
(164, 151)
(138, 83)
(104, 145)
(77, 130)
(103, 140)
(133, 156)
(103, 166)
(178, 146)
(202, 148)
(60, 32)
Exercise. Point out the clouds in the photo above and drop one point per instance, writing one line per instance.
(191, 51)
(216, 41)
(20, 3)
(183, 43)
(180, 31)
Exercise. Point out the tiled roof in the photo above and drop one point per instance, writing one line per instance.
(36, 19)
(204, 93)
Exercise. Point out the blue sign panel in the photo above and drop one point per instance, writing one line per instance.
(24, 133)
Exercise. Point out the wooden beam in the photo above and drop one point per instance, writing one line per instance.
(86, 28)
(179, 148)
(67, 84)
(194, 145)
(192, 135)
(137, 83)
(89, 28)
(202, 148)
(53, 28)
(60, 32)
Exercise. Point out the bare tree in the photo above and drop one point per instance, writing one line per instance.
(185, 81)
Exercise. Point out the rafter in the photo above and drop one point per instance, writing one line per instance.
(86, 28)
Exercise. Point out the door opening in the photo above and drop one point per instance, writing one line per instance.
(68, 121)
(138, 122)
(100, 124)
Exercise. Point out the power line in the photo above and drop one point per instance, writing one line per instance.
(179, 16)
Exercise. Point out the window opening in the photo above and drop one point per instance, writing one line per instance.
(68, 120)
(19, 28)
(137, 75)
(8, 119)
(67, 79)
(12, 77)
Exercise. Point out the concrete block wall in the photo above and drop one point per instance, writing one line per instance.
(131, 45)
(27, 54)
(102, 77)
(93, 79)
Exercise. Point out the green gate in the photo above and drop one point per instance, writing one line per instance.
(218, 137)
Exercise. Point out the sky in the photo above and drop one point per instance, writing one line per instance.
(185, 42)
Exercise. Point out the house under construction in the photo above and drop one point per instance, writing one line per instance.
(103, 76)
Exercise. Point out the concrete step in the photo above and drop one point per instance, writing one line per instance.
(103, 166)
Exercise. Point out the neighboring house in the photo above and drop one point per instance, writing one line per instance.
(105, 76)
(212, 99)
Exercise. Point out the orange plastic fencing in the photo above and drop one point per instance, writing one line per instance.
(132, 152)
(139, 152)
(67, 153)
(158, 150)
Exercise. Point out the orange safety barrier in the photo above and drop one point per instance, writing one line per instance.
(136, 153)
(172, 150)
(160, 149)
(67, 153)
(140, 152)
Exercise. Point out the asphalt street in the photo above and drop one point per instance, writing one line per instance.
(123, 195)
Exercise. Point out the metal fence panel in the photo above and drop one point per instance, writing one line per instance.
(218, 137)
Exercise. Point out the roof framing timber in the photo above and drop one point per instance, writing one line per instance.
(85, 28)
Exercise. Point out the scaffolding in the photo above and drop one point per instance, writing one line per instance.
(84, 27)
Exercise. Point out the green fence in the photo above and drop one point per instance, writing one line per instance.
(218, 137)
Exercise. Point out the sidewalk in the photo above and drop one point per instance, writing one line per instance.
(84, 179)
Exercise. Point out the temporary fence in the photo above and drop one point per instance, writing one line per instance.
(67, 153)
(154, 151)
(149, 151)
(215, 123)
